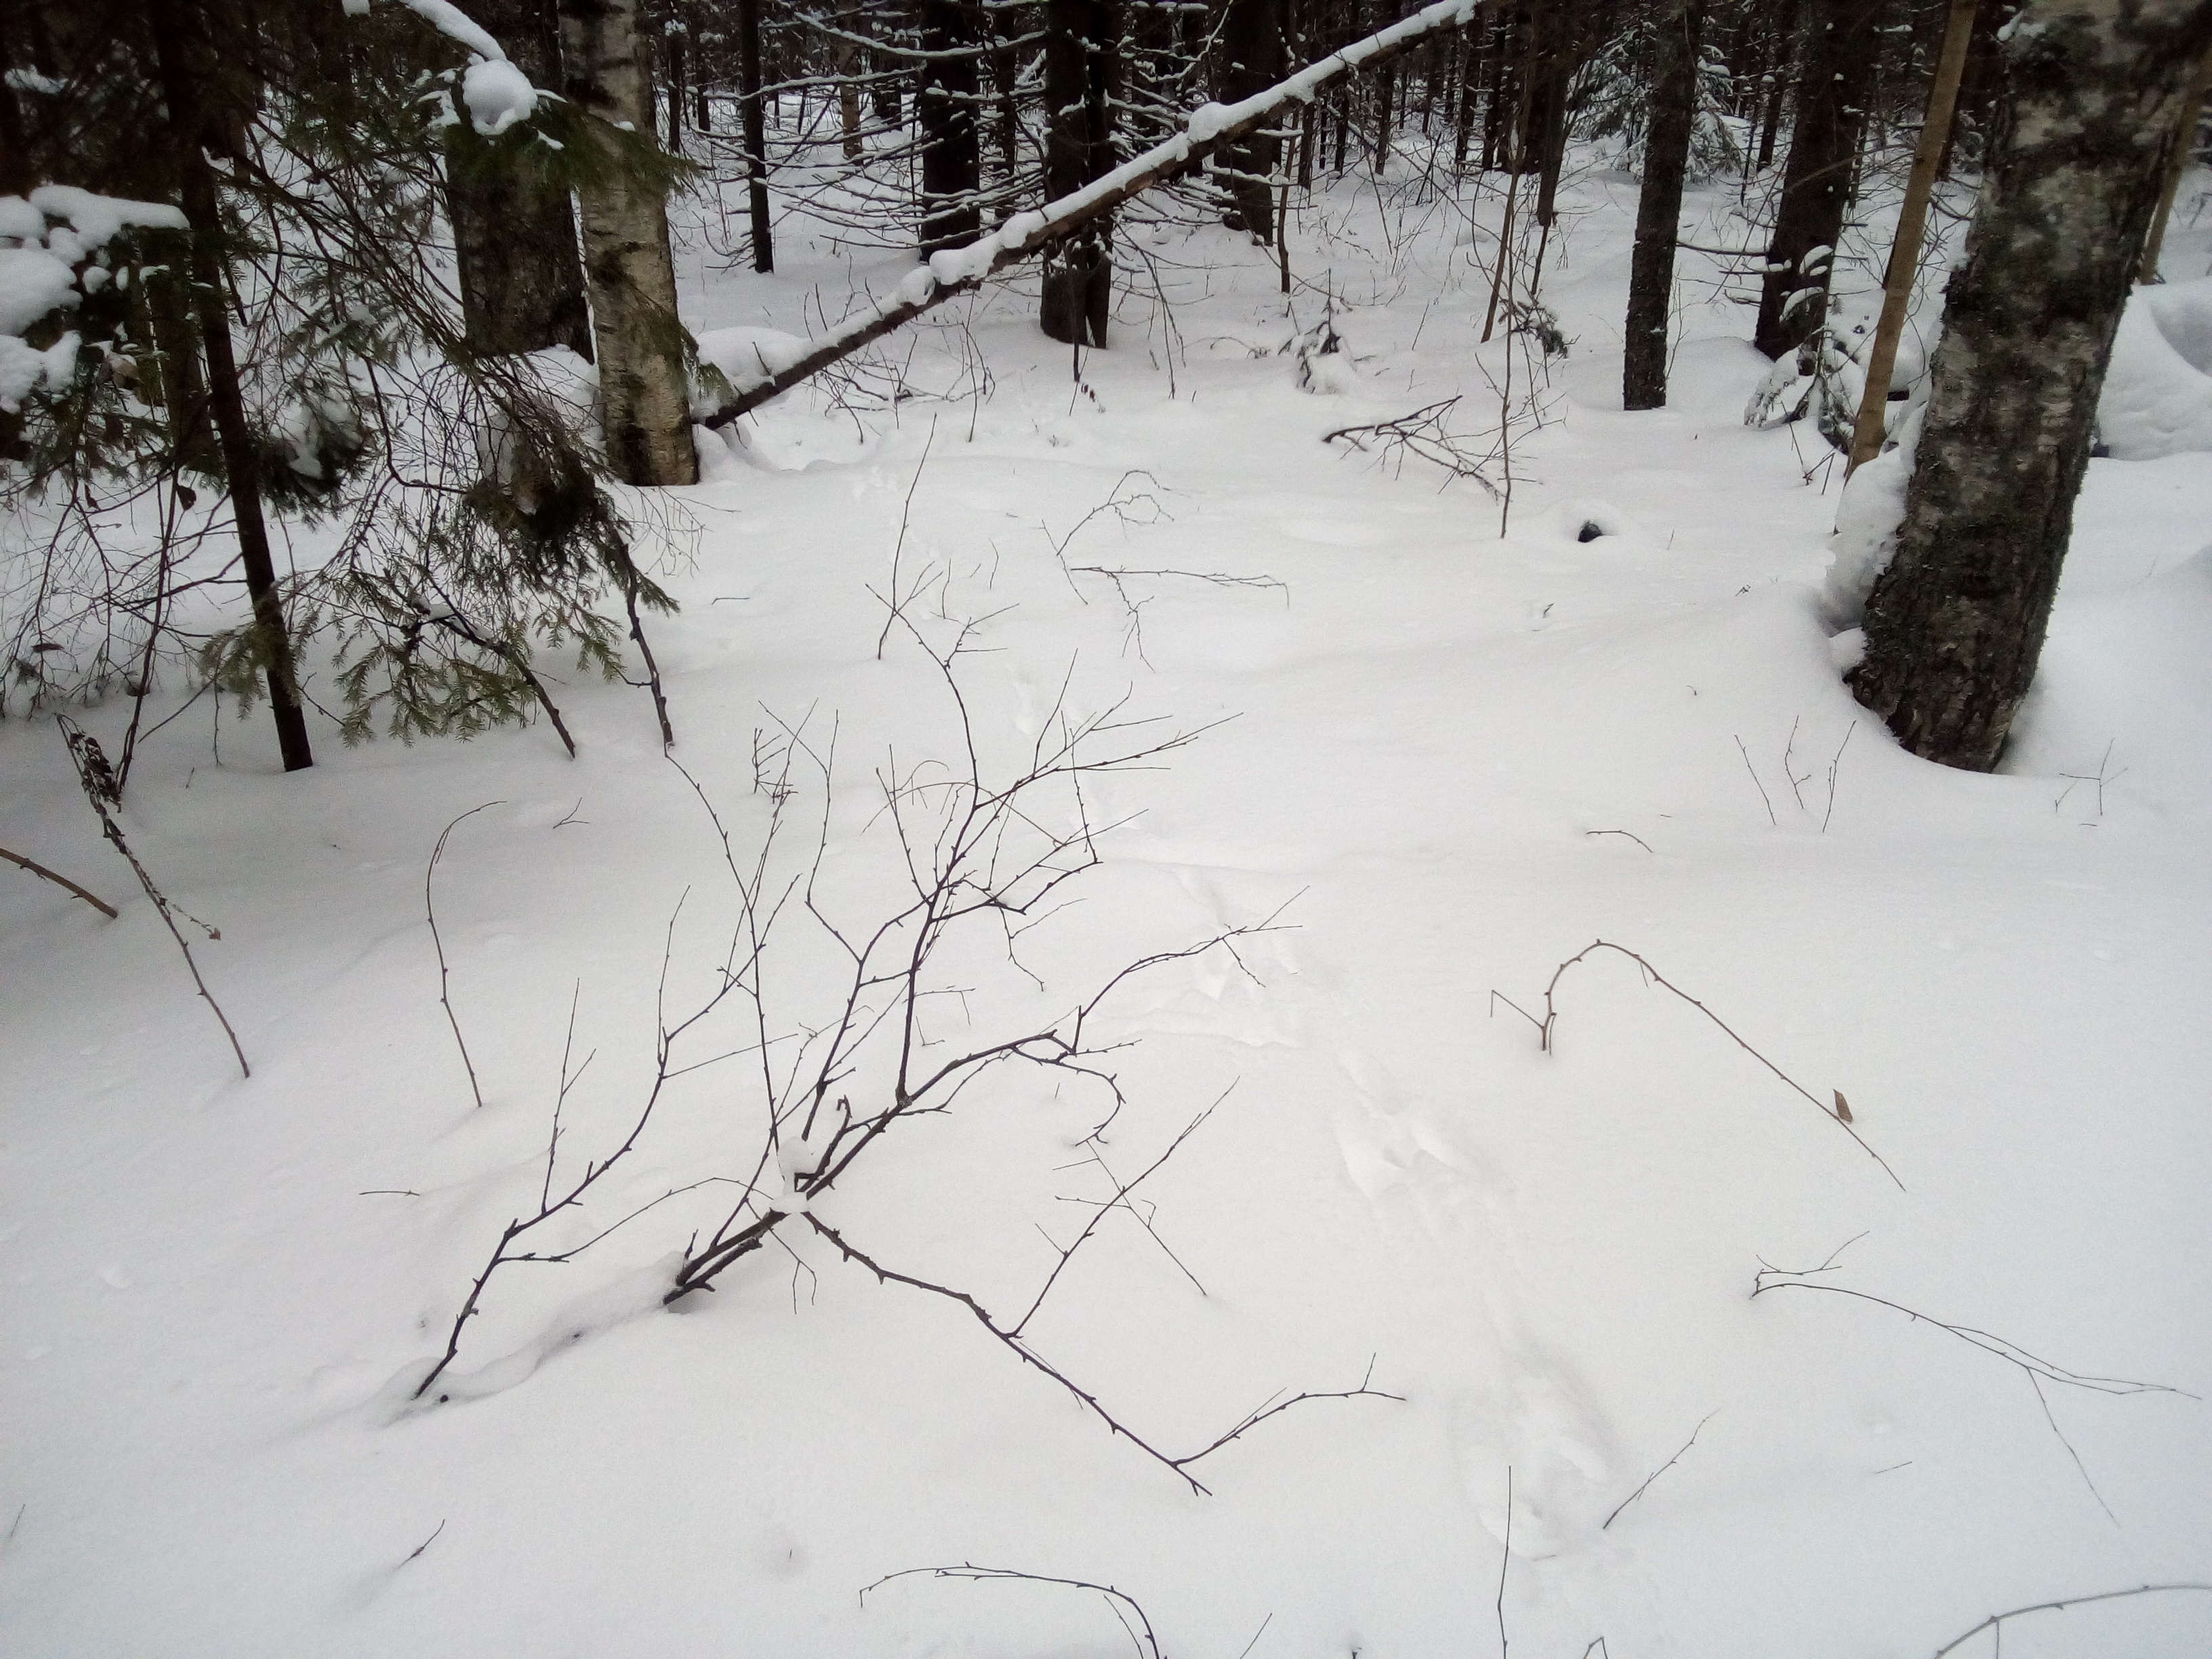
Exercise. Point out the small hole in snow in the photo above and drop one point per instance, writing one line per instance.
(1589, 531)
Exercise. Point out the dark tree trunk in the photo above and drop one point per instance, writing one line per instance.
(1471, 63)
(1547, 121)
(1386, 91)
(1251, 61)
(1080, 37)
(1659, 207)
(1816, 183)
(1005, 77)
(951, 159)
(752, 119)
(671, 60)
(1770, 123)
(181, 72)
(16, 175)
(2093, 89)
(514, 230)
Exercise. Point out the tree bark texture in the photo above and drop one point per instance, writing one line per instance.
(2093, 89)
(514, 230)
(1078, 85)
(1251, 61)
(180, 75)
(1816, 182)
(951, 153)
(644, 385)
(1659, 205)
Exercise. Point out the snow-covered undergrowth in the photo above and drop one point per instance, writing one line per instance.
(1452, 759)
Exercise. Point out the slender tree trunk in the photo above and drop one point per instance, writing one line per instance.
(1080, 37)
(644, 386)
(1471, 60)
(951, 159)
(515, 231)
(1252, 61)
(1386, 92)
(1912, 225)
(187, 127)
(1839, 64)
(1006, 76)
(1954, 627)
(1659, 206)
(1770, 123)
(752, 119)
(2184, 140)
(1550, 126)
(671, 54)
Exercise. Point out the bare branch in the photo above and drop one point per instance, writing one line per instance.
(1997, 1619)
(40, 869)
(438, 943)
(1547, 1027)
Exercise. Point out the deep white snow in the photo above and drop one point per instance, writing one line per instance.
(1451, 760)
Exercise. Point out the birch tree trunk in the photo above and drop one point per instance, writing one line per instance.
(644, 387)
(2092, 91)
(1659, 205)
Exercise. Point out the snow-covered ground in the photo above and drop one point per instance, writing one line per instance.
(1451, 760)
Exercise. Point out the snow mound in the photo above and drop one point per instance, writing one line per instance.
(2158, 393)
(748, 356)
(498, 96)
(1866, 529)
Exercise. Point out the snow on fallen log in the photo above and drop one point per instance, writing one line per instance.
(955, 272)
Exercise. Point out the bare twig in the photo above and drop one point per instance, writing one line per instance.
(58, 880)
(1756, 784)
(1638, 839)
(1089, 1400)
(100, 790)
(1834, 765)
(1547, 1029)
(630, 588)
(2037, 1369)
(894, 602)
(424, 1545)
(1780, 1278)
(1425, 434)
(438, 944)
(1995, 1620)
(1147, 1646)
(1657, 1473)
(1504, 1562)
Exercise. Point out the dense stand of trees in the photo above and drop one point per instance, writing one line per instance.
(402, 386)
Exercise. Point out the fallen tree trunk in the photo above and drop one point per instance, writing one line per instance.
(954, 271)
